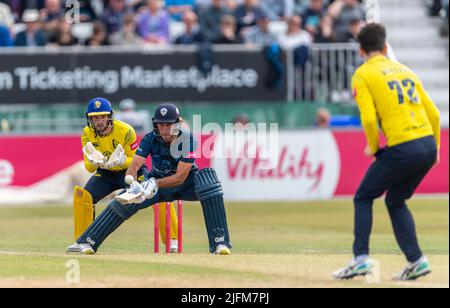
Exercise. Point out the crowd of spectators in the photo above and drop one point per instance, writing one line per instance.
(147, 22)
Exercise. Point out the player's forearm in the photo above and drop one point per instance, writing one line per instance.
(433, 114)
(435, 119)
(369, 119)
(171, 181)
(133, 169)
(437, 133)
(135, 165)
(372, 135)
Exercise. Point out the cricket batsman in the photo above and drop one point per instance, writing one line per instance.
(109, 146)
(392, 98)
(174, 176)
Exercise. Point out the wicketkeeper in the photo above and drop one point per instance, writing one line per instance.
(109, 146)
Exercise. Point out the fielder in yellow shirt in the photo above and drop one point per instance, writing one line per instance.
(108, 147)
(391, 98)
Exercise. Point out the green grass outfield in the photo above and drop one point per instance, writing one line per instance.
(275, 245)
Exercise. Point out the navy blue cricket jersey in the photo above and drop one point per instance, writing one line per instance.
(165, 157)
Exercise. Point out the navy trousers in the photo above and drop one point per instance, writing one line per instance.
(105, 182)
(398, 171)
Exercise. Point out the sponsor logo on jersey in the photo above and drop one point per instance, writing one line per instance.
(192, 155)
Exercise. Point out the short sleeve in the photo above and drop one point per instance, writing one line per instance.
(145, 147)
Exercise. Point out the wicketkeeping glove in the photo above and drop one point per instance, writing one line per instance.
(117, 158)
(93, 156)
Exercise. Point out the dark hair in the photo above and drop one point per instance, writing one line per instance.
(372, 37)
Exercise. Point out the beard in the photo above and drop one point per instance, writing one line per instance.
(102, 128)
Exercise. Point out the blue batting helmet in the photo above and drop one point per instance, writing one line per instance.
(99, 106)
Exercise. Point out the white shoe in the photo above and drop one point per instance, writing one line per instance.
(354, 269)
(83, 249)
(222, 250)
(414, 271)
(173, 246)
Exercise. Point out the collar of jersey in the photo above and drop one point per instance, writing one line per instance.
(377, 58)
